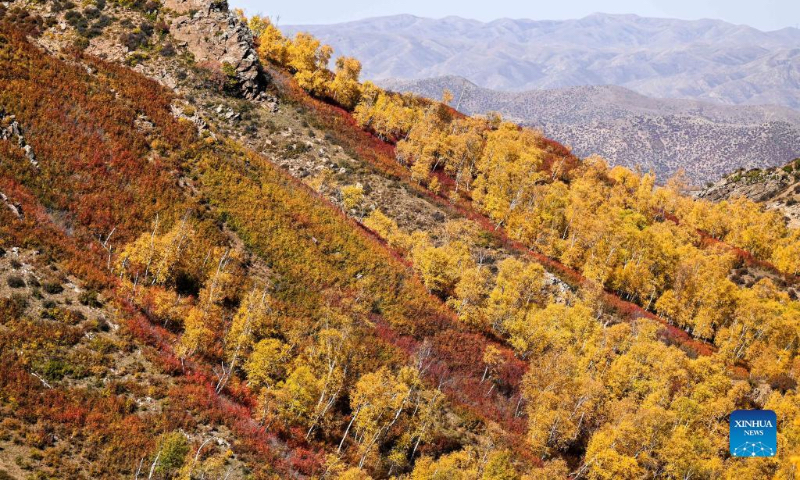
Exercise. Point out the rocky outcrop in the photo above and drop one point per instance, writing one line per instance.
(214, 35)
(757, 185)
(184, 112)
(11, 130)
(15, 208)
(777, 188)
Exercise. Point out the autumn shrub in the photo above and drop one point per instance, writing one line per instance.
(171, 454)
(89, 298)
(55, 369)
(13, 307)
(161, 28)
(230, 78)
(99, 324)
(29, 23)
(146, 6)
(783, 382)
(15, 281)
(59, 6)
(53, 287)
(136, 58)
(73, 317)
(352, 196)
(103, 345)
(218, 77)
(101, 22)
(77, 21)
(59, 314)
(133, 40)
(293, 150)
(167, 50)
(121, 150)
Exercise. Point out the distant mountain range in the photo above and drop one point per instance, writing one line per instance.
(702, 59)
(705, 139)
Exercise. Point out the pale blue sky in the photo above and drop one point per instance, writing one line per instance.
(762, 14)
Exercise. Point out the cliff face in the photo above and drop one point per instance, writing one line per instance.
(214, 34)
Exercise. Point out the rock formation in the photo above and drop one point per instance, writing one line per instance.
(11, 130)
(214, 34)
(777, 188)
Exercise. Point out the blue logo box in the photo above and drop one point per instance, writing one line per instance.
(754, 433)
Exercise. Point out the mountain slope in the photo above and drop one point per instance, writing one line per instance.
(703, 59)
(118, 163)
(665, 135)
(383, 289)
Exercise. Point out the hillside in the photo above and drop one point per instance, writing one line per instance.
(777, 188)
(220, 259)
(665, 58)
(189, 250)
(665, 135)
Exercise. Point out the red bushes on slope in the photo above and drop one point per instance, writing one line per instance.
(381, 155)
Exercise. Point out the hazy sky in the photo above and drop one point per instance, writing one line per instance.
(762, 14)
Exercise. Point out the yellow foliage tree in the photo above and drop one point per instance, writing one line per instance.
(345, 88)
(469, 299)
(378, 401)
(267, 362)
(308, 58)
(786, 255)
(272, 45)
(519, 286)
(352, 196)
(508, 170)
(460, 465)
